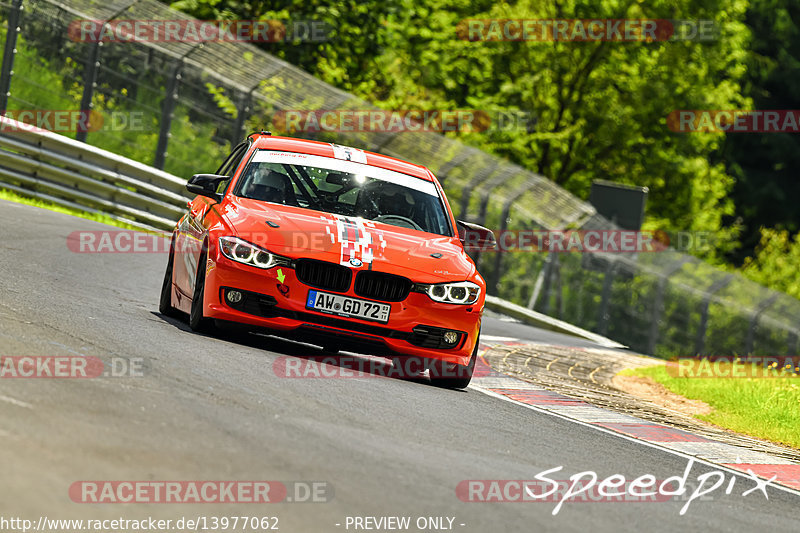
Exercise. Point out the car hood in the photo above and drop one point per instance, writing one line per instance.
(304, 233)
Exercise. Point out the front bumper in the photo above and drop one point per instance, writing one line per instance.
(414, 328)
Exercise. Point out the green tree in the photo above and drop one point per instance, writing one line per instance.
(764, 165)
(775, 261)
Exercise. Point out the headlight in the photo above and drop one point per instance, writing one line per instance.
(242, 251)
(462, 292)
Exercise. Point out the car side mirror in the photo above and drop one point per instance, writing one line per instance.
(474, 237)
(206, 185)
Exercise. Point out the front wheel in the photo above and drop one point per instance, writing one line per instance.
(165, 303)
(197, 321)
(452, 375)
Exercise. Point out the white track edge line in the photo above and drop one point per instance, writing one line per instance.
(650, 444)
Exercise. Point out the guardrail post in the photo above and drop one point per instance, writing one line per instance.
(493, 184)
(90, 72)
(578, 298)
(9, 52)
(466, 192)
(552, 266)
(507, 174)
(537, 286)
(89, 85)
(498, 257)
(559, 288)
(658, 304)
(608, 281)
(700, 340)
(452, 163)
(751, 331)
(168, 108)
(167, 114)
(242, 110)
(498, 260)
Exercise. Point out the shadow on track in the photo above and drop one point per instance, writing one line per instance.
(317, 360)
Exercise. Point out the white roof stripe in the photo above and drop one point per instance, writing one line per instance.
(351, 167)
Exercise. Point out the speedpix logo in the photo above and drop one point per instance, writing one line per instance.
(587, 487)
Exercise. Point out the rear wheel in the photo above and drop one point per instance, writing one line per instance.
(451, 375)
(165, 303)
(197, 321)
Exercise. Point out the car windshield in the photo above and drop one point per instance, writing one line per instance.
(344, 188)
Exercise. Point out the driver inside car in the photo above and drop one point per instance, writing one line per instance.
(270, 186)
(382, 199)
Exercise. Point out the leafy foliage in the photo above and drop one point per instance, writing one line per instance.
(776, 261)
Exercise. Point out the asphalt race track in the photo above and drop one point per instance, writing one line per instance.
(210, 408)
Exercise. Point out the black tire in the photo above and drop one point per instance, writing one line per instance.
(165, 302)
(330, 348)
(451, 375)
(196, 319)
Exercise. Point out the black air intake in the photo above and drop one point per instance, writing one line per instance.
(381, 286)
(323, 275)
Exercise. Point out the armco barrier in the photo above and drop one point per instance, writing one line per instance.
(543, 321)
(51, 167)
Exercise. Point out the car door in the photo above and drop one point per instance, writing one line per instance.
(192, 228)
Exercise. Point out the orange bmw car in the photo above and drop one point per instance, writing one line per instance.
(331, 245)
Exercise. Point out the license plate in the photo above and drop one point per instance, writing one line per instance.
(335, 304)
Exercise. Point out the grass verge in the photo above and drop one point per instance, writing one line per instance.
(104, 219)
(763, 407)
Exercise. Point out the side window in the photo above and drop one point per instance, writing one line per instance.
(230, 165)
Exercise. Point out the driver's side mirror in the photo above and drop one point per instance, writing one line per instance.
(206, 185)
(475, 238)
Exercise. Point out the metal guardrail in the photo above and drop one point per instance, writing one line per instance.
(546, 322)
(57, 169)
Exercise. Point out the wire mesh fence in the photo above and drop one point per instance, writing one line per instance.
(181, 106)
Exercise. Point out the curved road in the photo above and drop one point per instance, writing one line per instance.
(213, 409)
